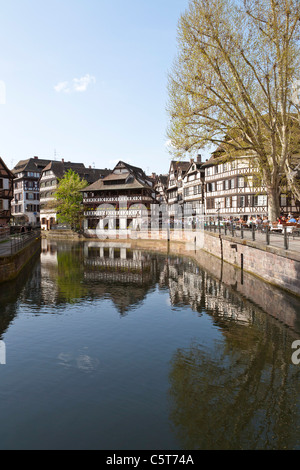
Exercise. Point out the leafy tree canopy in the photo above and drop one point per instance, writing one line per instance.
(234, 78)
(69, 199)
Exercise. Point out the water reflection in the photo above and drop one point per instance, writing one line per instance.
(228, 379)
(243, 393)
(72, 273)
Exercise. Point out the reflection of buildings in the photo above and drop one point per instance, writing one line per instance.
(116, 263)
(94, 270)
(25, 290)
(190, 285)
(49, 267)
(114, 270)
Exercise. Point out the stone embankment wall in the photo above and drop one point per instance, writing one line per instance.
(11, 266)
(273, 265)
(61, 235)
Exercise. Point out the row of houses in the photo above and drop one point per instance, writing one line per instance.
(195, 187)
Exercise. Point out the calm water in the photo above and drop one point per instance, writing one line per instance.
(111, 348)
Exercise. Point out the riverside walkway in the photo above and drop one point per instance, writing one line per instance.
(15, 243)
(284, 240)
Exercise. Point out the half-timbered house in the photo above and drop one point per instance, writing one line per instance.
(177, 172)
(6, 193)
(233, 188)
(26, 201)
(124, 197)
(193, 189)
(49, 182)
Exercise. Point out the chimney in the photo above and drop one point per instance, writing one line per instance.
(63, 161)
(90, 167)
(192, 160)
(36, 158)
(199, 158)
(153, 176)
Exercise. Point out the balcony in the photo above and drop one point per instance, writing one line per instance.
(116, 199)
(117, 213)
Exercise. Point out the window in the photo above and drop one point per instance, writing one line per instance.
(1, 204)
(31, 208)
(219, 203)
(241, 201)
(228, 202)
(1, 183)
(260, 201)
(241, 182)
(283, 200)
(210, 203)
(227, 184)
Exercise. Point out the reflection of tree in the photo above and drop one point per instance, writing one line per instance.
(70, 275)
(237, 396)
(28, 279)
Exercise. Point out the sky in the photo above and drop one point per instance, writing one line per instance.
(86, 80)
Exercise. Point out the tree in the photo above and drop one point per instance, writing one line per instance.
(69, 199)
(232, 84)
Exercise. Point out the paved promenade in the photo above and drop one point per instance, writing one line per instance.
(5, 248)
(275, 239)
(16, 242)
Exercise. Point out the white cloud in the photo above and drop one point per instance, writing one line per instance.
(62, 86)
(78, 85)
(81, 84)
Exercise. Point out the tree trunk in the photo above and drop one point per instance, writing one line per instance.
(273, 204)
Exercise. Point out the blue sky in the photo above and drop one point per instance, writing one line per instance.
(86, 80)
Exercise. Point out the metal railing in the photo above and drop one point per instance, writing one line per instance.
(4, 233)
(268, 234)
(18, 241)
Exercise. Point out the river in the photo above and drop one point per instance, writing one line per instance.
(112, 347)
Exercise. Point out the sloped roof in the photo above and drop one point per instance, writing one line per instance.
(31, 164)
(100, 186)
(89, 174)
(140, 179)
(163, 179)
(92, 174)
(9, 172)
(183, 165)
